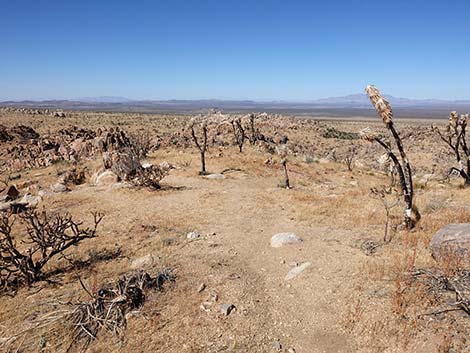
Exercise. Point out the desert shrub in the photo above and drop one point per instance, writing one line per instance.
(332, 132)
(45, 238)
(150, 176)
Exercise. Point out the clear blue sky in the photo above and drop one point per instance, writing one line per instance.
(233, 49)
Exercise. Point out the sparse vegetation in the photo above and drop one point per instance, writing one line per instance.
(455, 136)
(201, 142)
(403, 167)
(389, 301)
(46, 237)
(238, 132)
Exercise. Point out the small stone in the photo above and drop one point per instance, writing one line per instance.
(44, 192)
(201, 287)
(106, 178)
(277, 346)
(281, 239)
(59, 188)
(143, 261)
(295, 271)
(193, 235)
(215, 176)
(226, 309)
(291, 350)
(30, 200)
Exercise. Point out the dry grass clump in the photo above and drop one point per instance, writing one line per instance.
(73, 326)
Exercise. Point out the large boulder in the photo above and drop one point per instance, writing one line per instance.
(452, 241)
(124, 164)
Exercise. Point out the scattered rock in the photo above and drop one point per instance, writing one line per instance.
(106, 178)
(277, 346)
(143, 261)
(452, 241)
(291, 350)
(165, 165)
(31, 200)
(44, 192)
(215, 176)
(201, 287)
(282, 239)
(193, 235)
(59, 187)
(226, 309)
(9, 194)
(295, 271)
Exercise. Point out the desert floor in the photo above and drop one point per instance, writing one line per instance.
(347, 300)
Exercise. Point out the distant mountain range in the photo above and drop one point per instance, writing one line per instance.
(351, 105)
(361, 100)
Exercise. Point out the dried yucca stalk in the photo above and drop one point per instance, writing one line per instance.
(403, 167)
(380, 103)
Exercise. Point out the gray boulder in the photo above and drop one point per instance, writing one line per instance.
(452, 241)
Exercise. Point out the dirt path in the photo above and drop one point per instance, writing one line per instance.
(244, 212)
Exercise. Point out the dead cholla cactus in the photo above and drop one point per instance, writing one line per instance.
(388, 200)
(350, 157)
(46, 237)
(455, 136)
(150, 176)
(238, 132)
(282, 151)
(402, 165)
(199, 135)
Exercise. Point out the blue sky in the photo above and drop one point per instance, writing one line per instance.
(233, 49)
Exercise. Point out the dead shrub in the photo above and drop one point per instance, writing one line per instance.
(45, 238)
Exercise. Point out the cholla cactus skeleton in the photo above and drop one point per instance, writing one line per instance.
(238, 132)
(455, 136)
(200, 141)
(282, 151)
(199, 126)
(383, 108)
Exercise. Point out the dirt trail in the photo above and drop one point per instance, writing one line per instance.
(244, 212)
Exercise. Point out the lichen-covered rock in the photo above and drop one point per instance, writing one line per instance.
(452, 241)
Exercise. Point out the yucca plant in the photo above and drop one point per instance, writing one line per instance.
(456, 137)
(402, 164)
